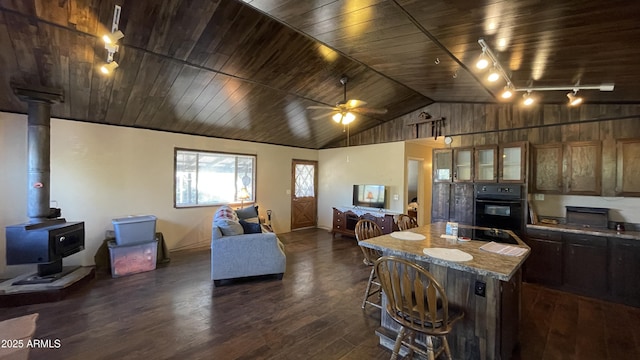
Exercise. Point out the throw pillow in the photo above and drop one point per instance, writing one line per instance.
(229, 227)
(249, 214)
(250, 228)
(225, 212)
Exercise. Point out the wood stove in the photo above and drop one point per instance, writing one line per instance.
(46, 238)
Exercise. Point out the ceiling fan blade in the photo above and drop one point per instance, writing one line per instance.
(312, 107)
(370, 110)
(323, 116)
(353, 103)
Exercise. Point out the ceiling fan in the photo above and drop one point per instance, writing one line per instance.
(343, 112)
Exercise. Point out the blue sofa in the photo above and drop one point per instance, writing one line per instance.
(237, 256)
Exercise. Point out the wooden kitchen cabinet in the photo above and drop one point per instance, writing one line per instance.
(512, 163)
(625, 266)
(628, 167)
(452, 202)
(463, 164)
(570, 168)
(584, 168)
(486, 163)
(442, 165)
(544, 265)
(585, 264)
(441, 196)
(461, 204)
(547, 168)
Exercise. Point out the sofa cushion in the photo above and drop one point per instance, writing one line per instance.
(250, 227)
(249, 214)
(229, 227)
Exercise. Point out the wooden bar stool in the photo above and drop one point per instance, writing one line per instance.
(366, 229)
(419, 304)
(406, 222)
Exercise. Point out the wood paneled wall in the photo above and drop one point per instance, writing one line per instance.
(479, 124)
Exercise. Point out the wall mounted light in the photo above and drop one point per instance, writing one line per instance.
(498, 71)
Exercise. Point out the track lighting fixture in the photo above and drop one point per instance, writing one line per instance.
(111, 41)
(498, 71)
(573, 99)
(109, 67)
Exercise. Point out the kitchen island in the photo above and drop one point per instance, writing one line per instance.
(486, 287)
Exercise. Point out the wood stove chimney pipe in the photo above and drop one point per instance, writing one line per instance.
(39, 100)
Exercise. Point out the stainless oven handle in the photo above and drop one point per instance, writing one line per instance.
(500, 201)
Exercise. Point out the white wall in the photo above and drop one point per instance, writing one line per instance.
(101, 172)
(339, 169)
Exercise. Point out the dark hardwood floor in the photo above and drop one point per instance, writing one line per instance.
(313, 313)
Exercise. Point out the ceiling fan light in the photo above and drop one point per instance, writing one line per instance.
(348, 118)
(337, 117)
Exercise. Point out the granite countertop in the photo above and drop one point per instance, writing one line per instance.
(483, 263)
(632, 235)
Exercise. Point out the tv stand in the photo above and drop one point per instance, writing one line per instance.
(345, 220)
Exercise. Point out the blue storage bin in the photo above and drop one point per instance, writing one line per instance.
(135, 229)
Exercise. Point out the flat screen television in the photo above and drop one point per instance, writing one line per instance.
(369, 196)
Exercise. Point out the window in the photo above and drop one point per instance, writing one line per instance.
(207, 178)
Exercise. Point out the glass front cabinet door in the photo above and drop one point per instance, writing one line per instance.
(486, 163)
(463, 165)
(442, 165)
(512, 162)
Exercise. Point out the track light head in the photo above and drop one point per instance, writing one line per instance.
(482, 61)
(113, 37)
(507, 92)
(528, 100)
(573, 99)
(493, 75)
(109, 67)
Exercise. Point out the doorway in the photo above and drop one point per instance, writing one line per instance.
(304, 203)
(415, 189)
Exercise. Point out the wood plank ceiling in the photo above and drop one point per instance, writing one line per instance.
(248, 71)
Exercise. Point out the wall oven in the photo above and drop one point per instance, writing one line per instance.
(500, 206)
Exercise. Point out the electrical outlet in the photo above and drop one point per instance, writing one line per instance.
(539, 196)
(396, 197)
(480, 288)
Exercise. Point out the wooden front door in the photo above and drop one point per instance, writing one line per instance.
(304, 204)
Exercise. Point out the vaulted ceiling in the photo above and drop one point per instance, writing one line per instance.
(249, 70)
